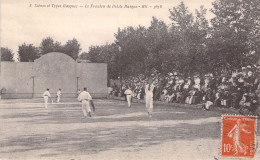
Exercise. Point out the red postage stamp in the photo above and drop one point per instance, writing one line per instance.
(238, 136)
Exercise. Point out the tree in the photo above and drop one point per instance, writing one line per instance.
(181, 17)
(104, 54)
(95, 54)
(235, 33)
(182, 33)
(72, 48)
(6, 54)
(157, 42)
(133, 53)
(28, 53)
(84, 56)
(47, 45)
(188, 34)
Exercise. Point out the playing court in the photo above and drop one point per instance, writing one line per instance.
(29, 131)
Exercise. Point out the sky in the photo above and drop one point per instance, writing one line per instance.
(30, 21)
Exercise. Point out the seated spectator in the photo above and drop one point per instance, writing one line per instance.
(225, 99)
(163, 96)
(226, 90)
(178, 90)
(170, 96)
(245, 101)
(191, 99)
(218, 96)
(208, 99)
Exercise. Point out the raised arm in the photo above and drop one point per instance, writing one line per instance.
(229, 134)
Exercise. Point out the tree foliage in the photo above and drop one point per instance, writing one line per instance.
(189, 35)
(72, 48)
(28, 53)
(235, 33)
(6, 54)
(132, 50)
(157, 42)
(48, 45)
(190, 44)
(104, 54)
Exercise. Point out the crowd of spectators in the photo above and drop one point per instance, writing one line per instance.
(238, 89)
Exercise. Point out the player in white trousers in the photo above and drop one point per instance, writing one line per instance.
(149, 97)
(58, 95)
(128, 94)
(84, 98)
(46, 95)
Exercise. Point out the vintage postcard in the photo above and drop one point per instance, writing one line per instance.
(129, 79)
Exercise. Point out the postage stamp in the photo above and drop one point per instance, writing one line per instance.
(238, 136)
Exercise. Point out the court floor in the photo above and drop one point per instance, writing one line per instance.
(30, 131)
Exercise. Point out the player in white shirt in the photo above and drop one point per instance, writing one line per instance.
(58, 95)
(149, 97)
(84, 98)
(128, 94)
(46, 95)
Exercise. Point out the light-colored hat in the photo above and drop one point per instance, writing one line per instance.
(181, 81)
(241, 80)
(234, 74)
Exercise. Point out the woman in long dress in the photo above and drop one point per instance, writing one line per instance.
(239, 147)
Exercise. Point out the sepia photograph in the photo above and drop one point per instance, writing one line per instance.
(129, 79)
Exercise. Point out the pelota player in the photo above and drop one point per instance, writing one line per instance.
(128, 94)
(46, 95)
(84, 98)
(149, 97)
(91, 102)
(58, 95)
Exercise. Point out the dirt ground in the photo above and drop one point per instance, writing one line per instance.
(114, 132)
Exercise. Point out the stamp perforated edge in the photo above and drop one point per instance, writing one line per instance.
(237, 115)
